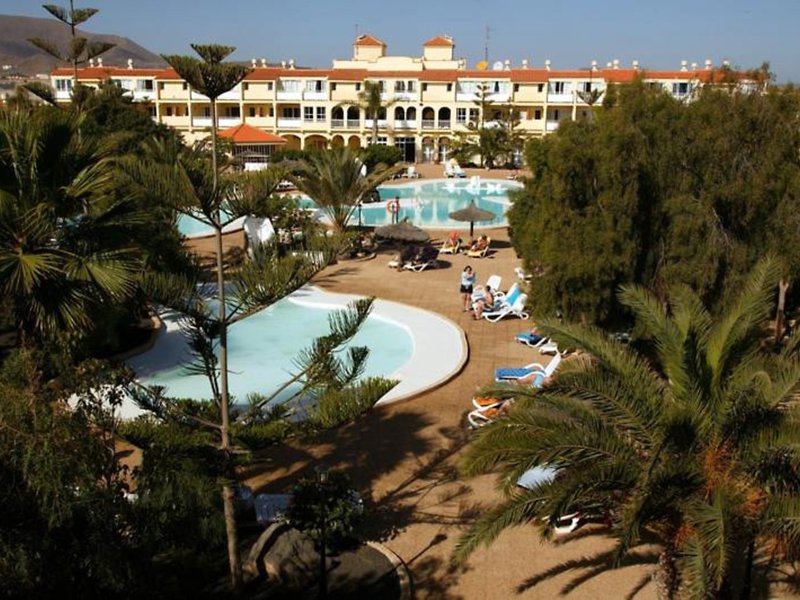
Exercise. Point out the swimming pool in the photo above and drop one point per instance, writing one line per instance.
(428, 203)
(262, 350)
(425, 203)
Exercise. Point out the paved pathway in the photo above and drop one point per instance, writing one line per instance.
(405, 454)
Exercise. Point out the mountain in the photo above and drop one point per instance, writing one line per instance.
(26, 59)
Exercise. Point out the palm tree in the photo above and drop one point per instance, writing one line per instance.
(212, 78)
(693, 439)
(64, 235)
(333, 179)
(370, 100)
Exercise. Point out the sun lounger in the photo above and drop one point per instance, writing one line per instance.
(448, 170)
(483, 416)
(411, 173)
(452, 245)
(493, 282)
(516, 309)
(534, 340)
(482, 252)
(458, 171)
(533, 369)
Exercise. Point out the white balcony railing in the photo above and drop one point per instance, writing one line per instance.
(144, 95)
(428, 124)
(201, 121)
(382, 123)
(353, 123)
(293, 95)
(337, 123)
(63, 94)
(234, 94)
(563, 98)
(405, 124)
(466, 97)
(230, 121)
(289, 123)
(405, 96)
(444, 124)
(551, 125)
(323, 95)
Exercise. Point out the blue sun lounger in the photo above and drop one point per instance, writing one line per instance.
(539, 372)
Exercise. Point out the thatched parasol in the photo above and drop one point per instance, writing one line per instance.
(472, 214)
(402, 231)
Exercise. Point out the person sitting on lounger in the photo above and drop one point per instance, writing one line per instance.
(480, 244)
(484, 304)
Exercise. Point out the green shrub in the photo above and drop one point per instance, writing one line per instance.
(337, 407)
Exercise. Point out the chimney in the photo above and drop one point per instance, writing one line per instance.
(263, 62)
(709, 64)
(726, 63)
(283, 64)
(594, 65)
(547, 64)
(684, 64)
(291, 63)
(253, 63)
(608, 65)
(507, 65)
(100, 62)
(694, 66)
(524, 63)
(615, 62)
(130, 63)
(91, 62)
(636, 65)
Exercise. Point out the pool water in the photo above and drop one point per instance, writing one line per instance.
(262, 349)
(424, 203)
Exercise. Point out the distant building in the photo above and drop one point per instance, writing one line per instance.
(433, 96)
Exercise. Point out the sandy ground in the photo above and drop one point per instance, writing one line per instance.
(404, 456)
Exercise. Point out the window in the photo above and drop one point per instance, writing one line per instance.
(496, 87)
(358, 87)
(169, 111)
(410, 86)
(152, 111)
(558, 87)
(537, 114)
(540, 88)
(232, 112)
(252, 111)
(246, 87)
(206, 111)
(399, 86)
(269, 86)
(271, 111)
(473, 115)
(587, 87)
(320, 113)
(449, 87)
(333, 87)
(185, 86)
(516, 87)
(461, 115)
(555, 115)
(146, 85)
(291, 112)
(424, 87)
(63, 85)
(308, 113)
(160, 85)
(680, 89)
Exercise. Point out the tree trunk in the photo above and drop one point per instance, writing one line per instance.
(780, 317)
(234, 563)
(747, 585)
(227, 490)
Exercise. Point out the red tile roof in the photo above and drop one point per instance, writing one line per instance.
(440, 40)
(247, 134)
(106, 72)
(368, 40)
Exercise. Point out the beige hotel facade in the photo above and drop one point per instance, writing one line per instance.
(431, 98)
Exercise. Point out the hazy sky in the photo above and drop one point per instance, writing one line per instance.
(571, 33)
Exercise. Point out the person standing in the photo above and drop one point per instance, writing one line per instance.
(467, 282)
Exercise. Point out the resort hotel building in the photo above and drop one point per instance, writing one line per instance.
(428, 99)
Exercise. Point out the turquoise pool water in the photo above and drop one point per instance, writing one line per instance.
(262, 350)
(424, 203)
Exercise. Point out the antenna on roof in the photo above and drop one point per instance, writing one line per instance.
(486, 46)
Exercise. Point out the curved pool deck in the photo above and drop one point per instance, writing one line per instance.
(440, 346)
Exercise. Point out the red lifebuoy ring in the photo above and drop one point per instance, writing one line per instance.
(393, 206)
